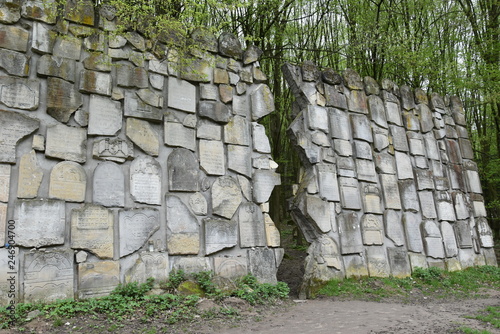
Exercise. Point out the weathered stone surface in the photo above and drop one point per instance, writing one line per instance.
(14, 38)
(4, 182)
(182, 171)
(449, 241)
(349, 193)
(378, 265)
(181, 95)
(15, 126)
(226, 197)
(68, 181)
(135, 107)
(272, 233)
(198, 204)
(43, 38)
(30, 177)
(319, 212)
(198, 70)
(149, 264)
(192, 265)
(109, 185)
(427, 204)
(411, 223)
(260, 140)
(262, 265)
(145, 180)
(355, 266)
(212, 159)
(357, 102)
(183, 228)
(485, 234)
(399, 262)
(54, 66)
(94, 82)
(408, 193)
(97, 279)
(463, 234)
(391, 191)
(366, 170)
(128, 75)
(372, 230)
(113, 149)
(67, 143)
(38, 10)
(433, 242)
(371, 199)
(238, 159)
(327, 182)
(216, 111)
(14, 63)
(264, 182)
(394, 227)
(237, 131)
(105, 117)
(251, 226)
(444, 206)
(230, 267)
(334, 98)
(350, 238)
(40, 223)
(377, 111)
(62, 99)
(361, 128)
(19, 93)
(143, 135)
(262, 102)
(10, 13)
(371, 86)
(92, 230)
(48, 276)
(403, 166)
(3, 223)
(136, 226)
(229, 45)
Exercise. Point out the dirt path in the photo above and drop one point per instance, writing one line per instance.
(359, 317)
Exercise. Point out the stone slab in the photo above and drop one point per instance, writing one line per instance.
(449, 241)
(63, 99)
(211, 155)
(390, 190)
(182, 170)
(433, 242)
(226, 197)
(366, 170)
(108, 185)
(319, 213)
(181, 95)
(399, 262)
(230, 267)
(403, 166)
(220, 234)
(238, 159)
(15, 126)
(264, 182)
(105, 116)
(427, 204)
(94, 82)
(214, 110)
(236, 131)
(355, 266)
(207, 129)
(350, 239)
(361, 128)
(5, 171)
(394, 227)
(327, 182)
(145, 180)
(411, 223)
(149, 264)
(463, 233)
(66, 143)
(378, 265)
(339, 124)
(92, 230)
(113, 149)
(262, 102)
(372, 230)
(40, 223)
(97, 279)
(178, 135)
(484, 232)
(251, 226)
(68, 182)
(371, 199)
(409, 197)
(136, 226)
(135, 107)
(349, 193)
(262, 265)
(399, 140)
(30, 177)
(14, 63)
(20, 93)
(48, 276)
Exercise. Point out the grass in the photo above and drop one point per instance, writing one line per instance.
(131, 300)
(432, 281)
(490, 316)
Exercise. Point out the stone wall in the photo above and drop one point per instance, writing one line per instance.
(119, 163)
(389, 182)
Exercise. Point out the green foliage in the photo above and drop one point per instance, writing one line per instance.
(175, 278)
(432, 281)
(131, 299)
(250, 290)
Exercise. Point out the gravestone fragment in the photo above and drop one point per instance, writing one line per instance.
(220, 234)
(30, 177)
(145, 180)
(68, 182)
(108, 185)
(20, 93)
(182, 171)
(15, 126)
(92, 230)
(212, 159)
(62, 99)
(97, 279)
(105, 116)
(136, 226)
(226, 197)
(66, 143)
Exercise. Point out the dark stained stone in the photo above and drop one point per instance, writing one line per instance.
(229, 45)
(182, 170)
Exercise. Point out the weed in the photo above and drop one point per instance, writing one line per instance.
(468, 330)
(57, 322)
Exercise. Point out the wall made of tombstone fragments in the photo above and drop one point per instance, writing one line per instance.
(389, 182)
(117, 163)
